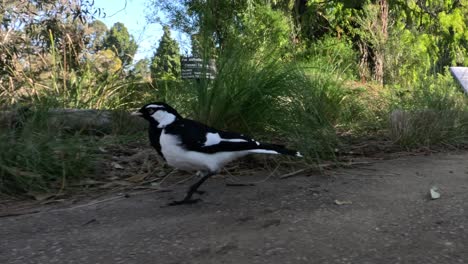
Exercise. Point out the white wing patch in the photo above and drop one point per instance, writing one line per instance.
(215, 138)
(234, 140)
(212, 139)
(263, 151)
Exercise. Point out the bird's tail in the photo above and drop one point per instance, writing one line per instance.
(265, 148)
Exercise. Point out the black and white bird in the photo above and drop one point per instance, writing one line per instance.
(192, 146)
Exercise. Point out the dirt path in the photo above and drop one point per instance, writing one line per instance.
(390, 219)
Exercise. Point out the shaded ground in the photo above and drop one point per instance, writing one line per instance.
(385, 216)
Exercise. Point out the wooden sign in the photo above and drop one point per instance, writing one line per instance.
(195, 68)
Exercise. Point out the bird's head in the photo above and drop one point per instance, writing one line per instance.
(159, 114)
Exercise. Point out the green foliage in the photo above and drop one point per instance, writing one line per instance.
(121, 42)
(165, 64)
(95, 35)
(337, 54)
(141, 70)
(429, 33)
(58, 57)
(442, 26)
(223, 21)
(105, 61)
(243, 95)
(89, 91)
(25, 28)
(34, 157)
(312, 110)
(96, 84)
(217, 19)
(265, 30)
(407, 56)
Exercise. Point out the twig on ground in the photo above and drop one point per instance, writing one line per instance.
(19, 213)
(287, 175)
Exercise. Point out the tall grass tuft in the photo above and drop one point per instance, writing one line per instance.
(313, 110)
(433, 112)
(261, 94)
(246, 92)
(35, 157)
(52, 80)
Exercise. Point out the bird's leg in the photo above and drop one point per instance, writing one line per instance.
(193, 189)
(200, 175)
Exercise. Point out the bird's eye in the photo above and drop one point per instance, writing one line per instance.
(151, 111)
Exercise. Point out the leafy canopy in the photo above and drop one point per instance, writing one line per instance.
(121, 42)
(166, 61)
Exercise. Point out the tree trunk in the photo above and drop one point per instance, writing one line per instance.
(363, 60)
(379, 67)
(380, 48)
(299, 8)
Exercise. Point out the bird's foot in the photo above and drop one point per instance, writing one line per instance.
(185, 201)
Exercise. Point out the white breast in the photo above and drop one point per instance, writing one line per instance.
(178, 157)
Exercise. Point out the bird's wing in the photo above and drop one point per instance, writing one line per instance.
(195, 136)
(198, 137)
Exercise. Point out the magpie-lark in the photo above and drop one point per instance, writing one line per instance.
(192, 146)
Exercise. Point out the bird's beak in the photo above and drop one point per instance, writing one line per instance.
(136, 113)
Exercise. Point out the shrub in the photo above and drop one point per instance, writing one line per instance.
(433, 112)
